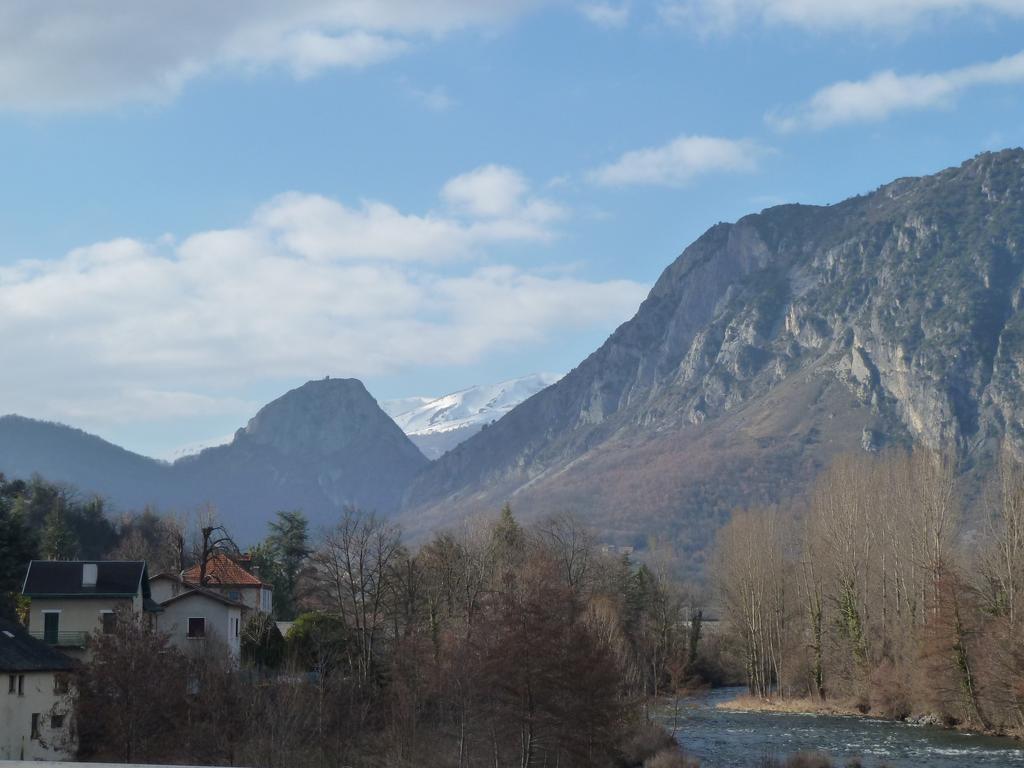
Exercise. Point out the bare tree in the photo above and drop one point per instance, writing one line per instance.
(752, 568)
(213, 539)
(571, 546)
(355, 561)
(1002, 559)
(118, 716)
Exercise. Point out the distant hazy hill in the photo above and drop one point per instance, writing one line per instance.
(70, 455)
(437, 425)
(768, 346)
(317, 448)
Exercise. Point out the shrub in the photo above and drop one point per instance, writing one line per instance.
(671, 758)
(808, 760)
(646, 741)
(799, 760)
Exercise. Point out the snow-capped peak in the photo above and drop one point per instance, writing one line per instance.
(474, 406)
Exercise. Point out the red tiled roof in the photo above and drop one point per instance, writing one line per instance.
(222, 570)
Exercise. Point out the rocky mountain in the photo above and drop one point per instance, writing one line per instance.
(316, 448)
(436, 425)
(767, 347)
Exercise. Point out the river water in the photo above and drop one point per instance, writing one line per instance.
(723, 738)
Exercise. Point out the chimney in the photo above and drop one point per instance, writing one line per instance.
(89, 571)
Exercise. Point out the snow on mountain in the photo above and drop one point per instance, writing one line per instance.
(193, 449)
(402, 405)
(437, 425)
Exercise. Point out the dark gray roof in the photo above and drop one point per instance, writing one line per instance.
(20, 652)
(114, 578)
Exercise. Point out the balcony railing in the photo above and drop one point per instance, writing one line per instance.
(61, 639)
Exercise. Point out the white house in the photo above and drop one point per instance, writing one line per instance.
(196, 617)
(71, 599)
(35, 703)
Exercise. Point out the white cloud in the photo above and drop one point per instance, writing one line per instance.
(97, 53)
(724, 15)
(491, 190)
(435, 99)
(498, 192)
(127, 330)
(885, 93)
(606, 14)
(680, 161)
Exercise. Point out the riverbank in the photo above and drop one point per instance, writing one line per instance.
(744, 734)
(791, 706)
(810, 706)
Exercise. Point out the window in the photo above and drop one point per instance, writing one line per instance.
(21, 685)
(51, 626)
(60, 684)
(89, 573)
(197, 627)
(235, 623)
(109, 622)
(234, 594)
(35, 726)
(56, 721)
(11, 682)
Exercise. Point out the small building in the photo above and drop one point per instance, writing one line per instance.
(233, 581)
(196, 617)
(164, 586)
(72, 599)
(35, 701)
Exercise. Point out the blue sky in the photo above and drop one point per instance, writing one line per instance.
(205, 206)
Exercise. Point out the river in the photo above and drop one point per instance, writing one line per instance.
(723, 738)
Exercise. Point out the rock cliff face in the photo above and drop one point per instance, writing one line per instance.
(317, 448)
(768, 346)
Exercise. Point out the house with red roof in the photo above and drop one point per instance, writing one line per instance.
(224, 576)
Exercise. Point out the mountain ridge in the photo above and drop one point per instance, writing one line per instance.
(318, 447)
(895, 314)
(769, 346)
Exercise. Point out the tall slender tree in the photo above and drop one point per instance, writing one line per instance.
(59, 541)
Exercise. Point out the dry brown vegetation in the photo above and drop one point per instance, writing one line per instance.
(864, 597)
(496, 645)
(791, 705)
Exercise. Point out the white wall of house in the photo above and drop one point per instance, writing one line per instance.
(38, 697)
(164, 587)
(76, 614)
(257, 599)
(223, 622)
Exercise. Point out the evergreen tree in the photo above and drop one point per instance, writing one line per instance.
(508, 534)
(508, 543)
(289, 546)
(59, 542)
(18, 545)
(93, 531)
